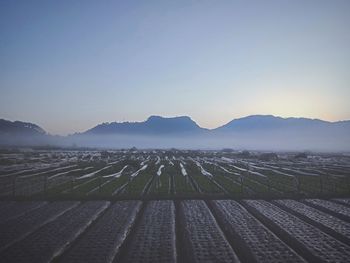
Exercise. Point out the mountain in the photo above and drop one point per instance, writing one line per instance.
(256, 132)
(273, 133)
(23, 134)
(154, 125)
(19, 128)
(270, 122)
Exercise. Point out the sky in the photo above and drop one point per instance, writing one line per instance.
(70, 65)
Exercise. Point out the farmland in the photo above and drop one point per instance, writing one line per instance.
(173, 231)
(135, 174)
(173, 206)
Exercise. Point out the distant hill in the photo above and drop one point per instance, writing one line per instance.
(154, 125)
(276, 133)
(20, 128)
(269, 122)
(23, 134)
(256, 132)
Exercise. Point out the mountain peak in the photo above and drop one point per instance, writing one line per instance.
(254, 131)
(268, 122)
(154, 125)
(158, 117)
(20, 128)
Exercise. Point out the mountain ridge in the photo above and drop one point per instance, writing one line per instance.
(253, 132)
(154, 121)
(20, 127)
(271, 121)
(154, 124)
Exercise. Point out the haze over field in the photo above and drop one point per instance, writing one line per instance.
(68, 67)
(174, 131)
(258, 132)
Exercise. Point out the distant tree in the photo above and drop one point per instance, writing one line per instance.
(301, 156)
(244, 154)
(268, 157)
(104, 154)
(227, 150)
(133, 149)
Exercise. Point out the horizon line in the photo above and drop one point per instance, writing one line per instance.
(177, 116)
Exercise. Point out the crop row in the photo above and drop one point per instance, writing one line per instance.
(172, 231)
(52, 238)
(10, 210)
(204, 182)
(101, 242)
(311, 242)
(203, 239)
(154, 237)
(255, 242)
(339, 210)
(17, 228)
(326, 222)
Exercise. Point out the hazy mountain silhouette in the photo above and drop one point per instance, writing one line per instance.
(22, 133)
(260, 132)
(270, 122)
(274, 133)
(154, 125)
(20, 128)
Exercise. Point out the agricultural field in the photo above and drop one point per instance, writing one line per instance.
(160, 174)
(173, 206)
(248, 230)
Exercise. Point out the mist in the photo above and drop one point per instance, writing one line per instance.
(262, 141)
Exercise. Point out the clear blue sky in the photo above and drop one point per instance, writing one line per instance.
(69, 65)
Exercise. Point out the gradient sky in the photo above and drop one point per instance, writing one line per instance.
(69, 65)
